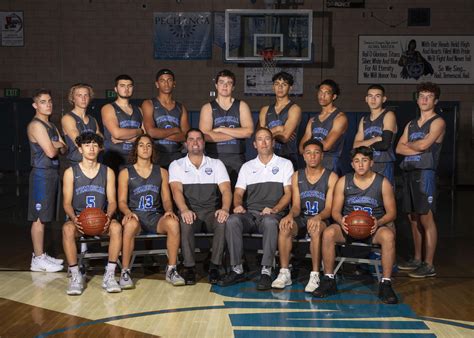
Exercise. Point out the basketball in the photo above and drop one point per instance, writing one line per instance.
(359, 223)
(92, 221)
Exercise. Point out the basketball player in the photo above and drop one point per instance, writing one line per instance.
(226, 123)
(266, 182)
(77, 121)
(45, 146)
(89, 184)
(362, 190)
(420, 145)
(282, 118)
(328, 126)
(122, 124)
(165, 119)
(311, 190)
(145, 200)
(196, 182)
(378, 131)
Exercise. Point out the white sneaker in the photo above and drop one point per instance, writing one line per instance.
(57, 261)
(76, 284)
(283, 279)
(126, 281)
(109, 283)
(42, 264)
(173, 277)
(313, 282)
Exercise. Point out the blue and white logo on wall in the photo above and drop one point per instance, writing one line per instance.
(182, 35)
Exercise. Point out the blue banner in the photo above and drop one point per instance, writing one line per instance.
(182, 35)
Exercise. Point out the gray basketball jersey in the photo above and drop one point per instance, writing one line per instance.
(144, 194)
(320, 130)
(375, 128)
(430, 157)
(38, 158)
(167, 119)
(133, 121)
(312, 196)
(273, 120)
(226, 118)
(369, 199)
(73, 154)
(89, 192)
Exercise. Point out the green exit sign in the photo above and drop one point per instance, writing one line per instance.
(11, 92)
(110, 94)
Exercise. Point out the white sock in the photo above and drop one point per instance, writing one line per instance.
(314, 273)
(238, 269)
(266, 270)
(330, 275)
(74, 269)
(285, 270)
(110, 267)
(386, 279)
(169, 267)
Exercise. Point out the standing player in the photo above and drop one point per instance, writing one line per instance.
(421, 145)
(45, 146)
(282, 118)
(145, 200)
(311, 190)
(165, 119)
(226, 123)
(328, 126)
(378, 132)
(201, 191)
(77, 121)
(122, 124)
(266, 182)
(362, 190)
(90, 184)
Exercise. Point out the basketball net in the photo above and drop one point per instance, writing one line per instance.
(268, 60)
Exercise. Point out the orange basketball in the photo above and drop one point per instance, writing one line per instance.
(92, 221)
(359, 223)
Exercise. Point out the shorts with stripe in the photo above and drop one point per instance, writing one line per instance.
(43, 190)
(419, 191)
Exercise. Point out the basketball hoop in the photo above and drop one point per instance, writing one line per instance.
(268, 60)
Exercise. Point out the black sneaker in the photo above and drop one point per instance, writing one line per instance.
(386, 293)
(423, 271)
(232, 278)
(189, 276)
(411, 265)
(213, 276)
(327, 287)
(265, 282)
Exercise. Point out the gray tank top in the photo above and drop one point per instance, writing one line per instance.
(430, 157)
(89, 193)
(320, 130)
(38, 158)
(144, 194)
(226, 118)
(167, 119)
(375, 128)
(133, 121)
(73, 154)
(312, 196)
(369, 200)
(273, 120)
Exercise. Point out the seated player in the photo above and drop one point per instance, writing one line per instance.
(311, 190)
(362, 190)
(89, 184)
(143, 193)
(266, 183)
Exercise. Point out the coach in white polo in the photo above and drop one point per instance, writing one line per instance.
(266, 180)
(201, 191)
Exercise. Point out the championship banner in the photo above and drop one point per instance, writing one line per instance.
(182, 35)
(412, 59)
(258, 81)
(12, 29)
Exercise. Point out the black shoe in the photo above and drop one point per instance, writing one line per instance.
(232, 278)
(386, 293)
(327, 287)
(189, 276)
(265, 282)
(213, 276)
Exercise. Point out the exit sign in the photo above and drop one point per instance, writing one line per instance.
(110, 94)
(11, 92)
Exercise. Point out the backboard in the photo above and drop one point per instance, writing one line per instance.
(288, 32)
